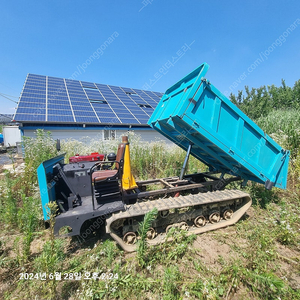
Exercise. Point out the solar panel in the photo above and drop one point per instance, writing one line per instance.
(94, 95)
(81, 106)
(142, 119)
(110, 116)
(36, 77)
(29, 117)
(80, 113)
(72, 81)
(106, 115)
(60, 112)
(86, 84)
(99, 85)
(56, 106)
(31, 110)
(34, 100)
(79, 99)
(130, 121)
(112, 120)
(56, 118)
(87, 119)
(52, 99)
(31, 105)
(37, 86)
(76, 94)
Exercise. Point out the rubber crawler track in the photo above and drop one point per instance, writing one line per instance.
(140, 209)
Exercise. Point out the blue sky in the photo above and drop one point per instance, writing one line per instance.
(149, 43)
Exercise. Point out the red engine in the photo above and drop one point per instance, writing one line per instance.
(92, 157)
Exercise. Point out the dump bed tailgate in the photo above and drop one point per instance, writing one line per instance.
(223, 137)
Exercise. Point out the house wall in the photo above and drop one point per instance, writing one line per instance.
(148, 135)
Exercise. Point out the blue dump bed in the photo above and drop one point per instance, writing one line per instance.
(223, 137)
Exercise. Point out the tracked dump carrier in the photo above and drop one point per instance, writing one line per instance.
(201, 120)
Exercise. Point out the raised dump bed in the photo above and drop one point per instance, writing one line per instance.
(195, 112)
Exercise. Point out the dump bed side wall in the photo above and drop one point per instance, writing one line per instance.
(223, 136)
(183, 89)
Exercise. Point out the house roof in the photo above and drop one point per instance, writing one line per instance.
(46, 99)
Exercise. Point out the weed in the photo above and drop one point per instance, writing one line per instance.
(52, 255)
(260, 196)
(287, 221)
(18, 251)
(267, 285)
(39, 149)
(28, 238)
(174, 248)
(144, 228)
(1, 247)
(9, 206)
(75, 264)
(110, 251)
(283, 127)
(170, 283)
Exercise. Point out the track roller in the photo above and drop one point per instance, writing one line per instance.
(227, 214)
(151, 234)
(200, 221)
(130, 238)
(184, 226)
(169, 227)
(214, 217)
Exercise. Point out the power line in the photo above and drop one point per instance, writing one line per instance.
(3, 95)
(10, 96)
(5, 116)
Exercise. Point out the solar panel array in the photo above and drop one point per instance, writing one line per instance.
(51, 99)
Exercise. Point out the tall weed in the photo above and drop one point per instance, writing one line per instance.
(144, 227)
(39, 149)
(283, 127)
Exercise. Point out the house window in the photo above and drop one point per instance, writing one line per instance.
(110, 134)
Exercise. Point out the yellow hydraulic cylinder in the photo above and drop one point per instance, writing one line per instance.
(128, 181)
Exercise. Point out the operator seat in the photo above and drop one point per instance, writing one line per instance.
(104, 174)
